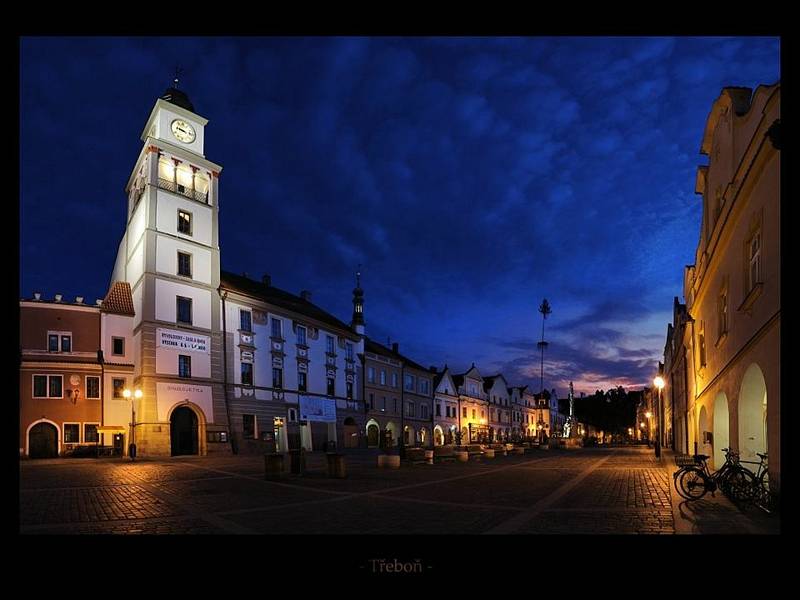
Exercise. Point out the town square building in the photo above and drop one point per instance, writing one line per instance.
(76, 362)
(723, 350)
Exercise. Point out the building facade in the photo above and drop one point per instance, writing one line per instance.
(383, 396)
(473, 407)
(76, 361)
(733, 290)
(446, 413)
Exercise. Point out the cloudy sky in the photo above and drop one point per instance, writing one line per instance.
(471, 177)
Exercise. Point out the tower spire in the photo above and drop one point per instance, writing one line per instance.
(358, 305)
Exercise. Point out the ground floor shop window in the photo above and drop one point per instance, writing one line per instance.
(90, 433)
(72, 433)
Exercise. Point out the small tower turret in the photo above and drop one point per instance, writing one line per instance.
(358, 305)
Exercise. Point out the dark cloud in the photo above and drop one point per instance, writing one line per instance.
(470, 176)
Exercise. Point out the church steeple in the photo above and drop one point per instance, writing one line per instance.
(358, 305)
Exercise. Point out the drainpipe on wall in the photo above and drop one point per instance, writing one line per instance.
(223, 295)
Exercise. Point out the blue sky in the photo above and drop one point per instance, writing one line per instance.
(470, 176)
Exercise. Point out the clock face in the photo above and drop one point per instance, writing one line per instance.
(183, 131)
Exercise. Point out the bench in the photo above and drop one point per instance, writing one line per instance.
(474, 451)
(444, 454)
(499, 449)
(415, 455)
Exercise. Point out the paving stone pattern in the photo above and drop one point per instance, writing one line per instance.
(595, 491)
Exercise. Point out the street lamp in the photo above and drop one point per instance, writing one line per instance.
(126, 393)
(659, 383)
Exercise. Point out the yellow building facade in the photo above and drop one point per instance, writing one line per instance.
(732, 291)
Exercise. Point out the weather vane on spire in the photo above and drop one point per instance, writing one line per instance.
(178, 73)
(358, 276)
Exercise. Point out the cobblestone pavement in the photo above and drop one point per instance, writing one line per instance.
(597, 490)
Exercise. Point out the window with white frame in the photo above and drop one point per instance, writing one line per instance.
(59, 341)
(277, 328)
(408, 383)
(184, 365)
(247, 373)
(277, 378)
(371, 374)
(92, 387)
(301, 335)
(184, 222)
(118, 346)
(722, 313)
(394, 380)
(410, 409)
(183, 310)
(72, 433)
(383, 377)
(245, 320)
(48, 386)
(349, 350)
(754, 261)
(184, 264)
(118, 385)
(423, 386)
(330, 344)
(90, 435)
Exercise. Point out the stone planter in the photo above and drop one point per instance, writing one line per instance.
(462, 456)
(488, 453)
(389, 461)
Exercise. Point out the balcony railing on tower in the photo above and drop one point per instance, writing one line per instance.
(177, 188)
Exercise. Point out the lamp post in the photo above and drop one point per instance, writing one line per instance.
(659, 383)
(649, 417)
(126, 393)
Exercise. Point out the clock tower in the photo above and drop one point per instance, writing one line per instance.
(170, 256)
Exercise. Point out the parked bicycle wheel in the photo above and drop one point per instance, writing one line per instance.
(739, 485)
(693, 484)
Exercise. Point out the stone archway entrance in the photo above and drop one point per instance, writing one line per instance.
(350, 433)
(43, 441)
(373, 434)
(438, 436)
(753, 414)
(183, 432)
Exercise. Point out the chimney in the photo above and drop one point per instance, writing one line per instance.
(395, 347)
(37, 295)
(58, 297)
(79, 299)
(305, 295)
(98, 302)
(266, 280)
(433, 369)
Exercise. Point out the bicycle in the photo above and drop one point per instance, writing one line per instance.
(761, 495)
(693, 480)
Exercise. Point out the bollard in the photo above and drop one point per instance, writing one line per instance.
(298, 461)
(336, 465)
(273, 466)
